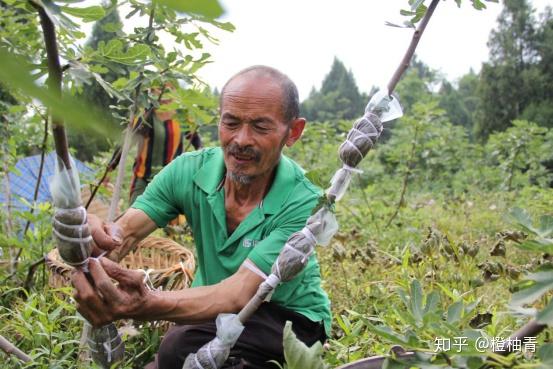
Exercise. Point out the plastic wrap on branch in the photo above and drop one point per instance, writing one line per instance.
(70, 223)
(386, 107)
(74, 244)
(323, 225)
(361, 139)
(294, 255)
(213, 354)
(106, 345)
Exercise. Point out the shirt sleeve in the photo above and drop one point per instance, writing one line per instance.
(163, 198)
(267, 250)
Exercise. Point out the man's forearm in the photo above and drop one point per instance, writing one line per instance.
(190, 306)
(193, 305)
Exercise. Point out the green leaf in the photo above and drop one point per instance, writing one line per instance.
(546, 226)
(298, 355)
(208, 8)
(415, 4)
(478, 5)
(432, 301)
(543, 282)
(545, 316)
(315, 176)
(114, 51)
(407, 12)
(387, 332)
(417, 301)
(523, 219)
(536, 245)
(88, 14)
(545, 354)
(16, 72)
(454, 312)
(111, 27)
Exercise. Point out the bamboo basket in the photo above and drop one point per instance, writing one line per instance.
(171, 265)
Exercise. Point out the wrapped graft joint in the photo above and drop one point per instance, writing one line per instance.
(360, 139)
(294, 255)
(323, 225)
(106, 345)
(74, 244)
(213, 354)
(386, 107)
(340, 182)
(70, 222)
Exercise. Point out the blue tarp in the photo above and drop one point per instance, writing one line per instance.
(22, 184)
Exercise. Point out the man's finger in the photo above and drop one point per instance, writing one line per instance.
(103, 283)
(101, 235)
(89, 303)
(125, 277)
(115, 232)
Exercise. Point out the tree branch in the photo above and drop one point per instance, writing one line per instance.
(129, 133)
(54, 83)
(10, 349)
(412, 47)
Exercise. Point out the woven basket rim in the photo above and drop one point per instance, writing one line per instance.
(187, 264)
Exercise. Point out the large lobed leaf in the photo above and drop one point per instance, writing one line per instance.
(298, 355)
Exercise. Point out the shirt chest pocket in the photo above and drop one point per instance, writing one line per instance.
(251, 239)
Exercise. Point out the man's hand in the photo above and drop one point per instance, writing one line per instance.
(107, 237)
(100, 301)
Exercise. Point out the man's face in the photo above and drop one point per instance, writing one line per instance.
(252, 129)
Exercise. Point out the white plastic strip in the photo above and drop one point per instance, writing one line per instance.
(210, 356)
(273, 280)
(304, 256)
(70, 226)
(198, 365)
(363, 134)
(248, 264)
(72, 239)
(351, 169)
(355, 147)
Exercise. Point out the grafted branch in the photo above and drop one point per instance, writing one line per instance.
(402, 67)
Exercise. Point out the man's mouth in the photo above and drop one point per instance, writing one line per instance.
(244, 156)
(243, 159)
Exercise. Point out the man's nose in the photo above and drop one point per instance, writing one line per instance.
(244, 136)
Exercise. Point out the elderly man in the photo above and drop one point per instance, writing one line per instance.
(242, 201)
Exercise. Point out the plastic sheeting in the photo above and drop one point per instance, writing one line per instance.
(361, 138)
(74, 244)
(213, 354)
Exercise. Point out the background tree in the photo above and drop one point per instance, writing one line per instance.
(108, 28)
(460, 101)
(511, 82)
(338, 98)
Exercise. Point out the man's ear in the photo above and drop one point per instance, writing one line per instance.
(296, 130)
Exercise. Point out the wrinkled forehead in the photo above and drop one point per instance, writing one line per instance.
(252, 93)
(253, 84)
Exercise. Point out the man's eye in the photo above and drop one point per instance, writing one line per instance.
(261, 127)
(230, 124)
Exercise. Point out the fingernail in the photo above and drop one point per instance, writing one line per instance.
(116, 239)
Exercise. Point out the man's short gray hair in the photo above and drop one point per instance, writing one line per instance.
(290, 96)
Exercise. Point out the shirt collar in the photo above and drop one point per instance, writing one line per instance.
(211, 173)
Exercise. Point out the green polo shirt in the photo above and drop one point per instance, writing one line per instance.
(191, 185)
